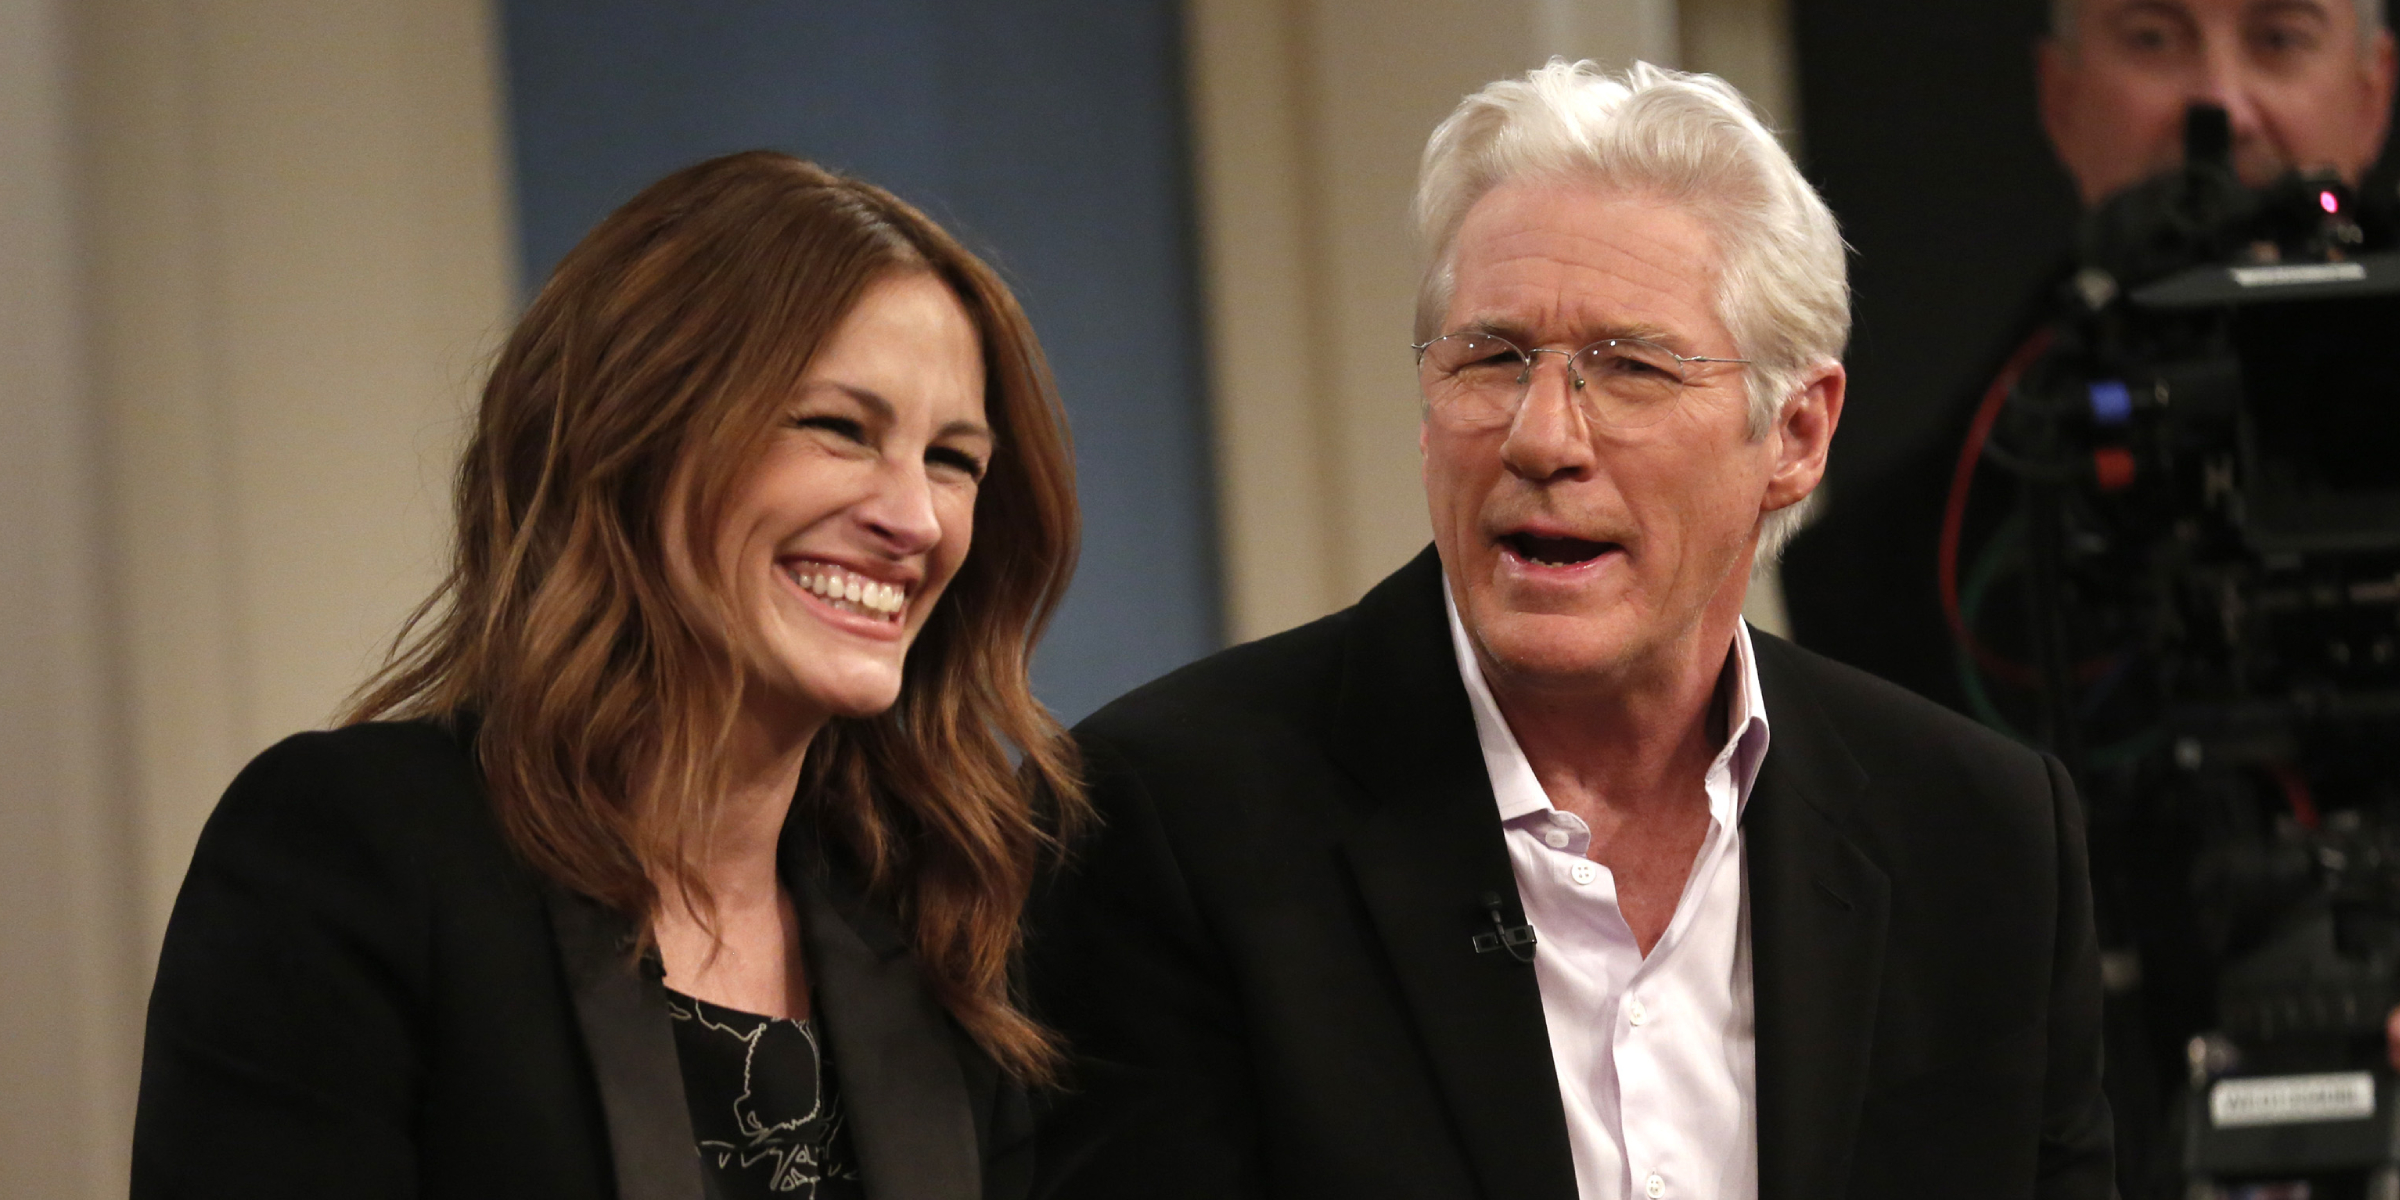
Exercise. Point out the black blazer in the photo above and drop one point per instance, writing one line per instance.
(1264, 957)
(364, 993)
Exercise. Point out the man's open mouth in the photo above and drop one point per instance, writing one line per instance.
(1555, 551)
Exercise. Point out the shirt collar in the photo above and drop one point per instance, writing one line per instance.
(1518, 792)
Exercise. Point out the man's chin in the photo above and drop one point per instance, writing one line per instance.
(1551, 649)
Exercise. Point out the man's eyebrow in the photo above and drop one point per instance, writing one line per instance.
(2288, 8)
(1584, 335)
(2148, 8)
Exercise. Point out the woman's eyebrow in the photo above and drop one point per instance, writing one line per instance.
(883, 412)
(868, 398)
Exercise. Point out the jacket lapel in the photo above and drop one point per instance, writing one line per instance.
(1426, 853)
(621, 1007)
(892, 1045)
(1819, 912)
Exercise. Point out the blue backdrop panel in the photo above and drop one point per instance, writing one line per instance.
(1047, 134)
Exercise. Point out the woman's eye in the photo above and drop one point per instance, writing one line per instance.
(961, 461)
(845, 428)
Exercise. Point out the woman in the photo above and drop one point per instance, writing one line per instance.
(681, 853)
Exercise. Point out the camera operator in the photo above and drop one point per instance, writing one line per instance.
(2304, 84)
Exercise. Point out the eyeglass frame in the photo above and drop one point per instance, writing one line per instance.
(1525, 380)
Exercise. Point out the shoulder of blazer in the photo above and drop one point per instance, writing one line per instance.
(403, 800)
(1312, 681)
(1881, 724)
(1282, 678)
(412, 778)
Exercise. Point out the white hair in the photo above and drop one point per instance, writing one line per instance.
(2370, 19)
(1691, 140)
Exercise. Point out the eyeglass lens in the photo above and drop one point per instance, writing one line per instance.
(1480, 378)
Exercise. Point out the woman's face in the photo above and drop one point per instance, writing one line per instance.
(841, 539)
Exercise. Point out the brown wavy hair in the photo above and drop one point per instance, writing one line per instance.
(645, 380)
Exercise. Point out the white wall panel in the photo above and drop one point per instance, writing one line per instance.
(69, 980)
(251, 257)
(299, 262)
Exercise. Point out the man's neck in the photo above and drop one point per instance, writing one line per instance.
(1627, 748)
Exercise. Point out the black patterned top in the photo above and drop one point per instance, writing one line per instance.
(765, 1110)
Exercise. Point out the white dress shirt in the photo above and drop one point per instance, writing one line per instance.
(1655, 1055)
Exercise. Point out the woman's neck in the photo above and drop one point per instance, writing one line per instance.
(762, 776)
(750, 959)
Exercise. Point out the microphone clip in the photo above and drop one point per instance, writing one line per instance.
(1517, 939)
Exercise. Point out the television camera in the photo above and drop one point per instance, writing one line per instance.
(2194, 599)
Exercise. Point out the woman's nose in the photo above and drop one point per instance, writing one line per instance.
(900, 509)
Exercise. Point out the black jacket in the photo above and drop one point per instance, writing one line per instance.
(1264, 958)
(364, 993)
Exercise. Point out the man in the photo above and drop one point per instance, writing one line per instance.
(1537, 874)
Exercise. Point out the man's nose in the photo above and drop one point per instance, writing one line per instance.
(1551, 435)
(2230, 81)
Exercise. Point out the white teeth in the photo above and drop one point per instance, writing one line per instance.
(848, 591)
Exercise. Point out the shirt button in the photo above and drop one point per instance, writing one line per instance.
(1654, 1187)
(1585, 872)
(1635, 1013)
(1556, 839)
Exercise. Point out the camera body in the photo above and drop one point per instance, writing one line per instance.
(2207, 538)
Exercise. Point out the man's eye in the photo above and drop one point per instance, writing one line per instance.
(1491, 359)
(2283, 40)
(2149, 37)
(1627, 364)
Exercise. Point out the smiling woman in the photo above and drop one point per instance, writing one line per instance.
(705, 784)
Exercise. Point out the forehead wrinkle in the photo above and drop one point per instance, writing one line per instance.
(1567, 304)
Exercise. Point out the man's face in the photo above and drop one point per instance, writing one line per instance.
(2289, 73)
(1582, 556)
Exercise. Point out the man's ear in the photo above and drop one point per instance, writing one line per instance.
(2054, 87)
(2375, 122)
(1803, 435)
